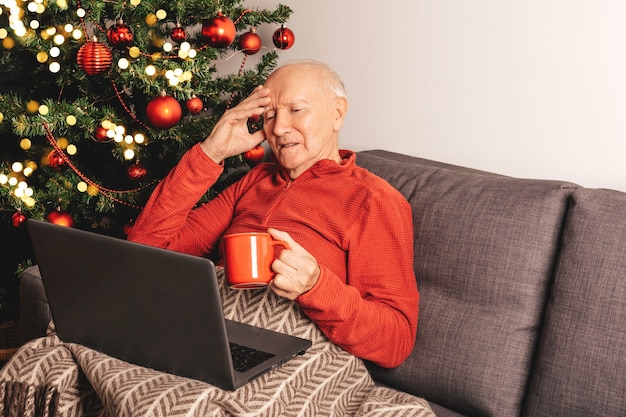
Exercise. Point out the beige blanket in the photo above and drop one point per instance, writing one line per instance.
(48, 377)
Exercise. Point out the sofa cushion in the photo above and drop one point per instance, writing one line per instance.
(485, 248)
(581, 365)
(34, 311)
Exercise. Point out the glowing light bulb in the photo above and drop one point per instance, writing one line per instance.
(54, 67)
(63, 142)
(29, 202)
(25, 144)
(129, 154)
(134, 52)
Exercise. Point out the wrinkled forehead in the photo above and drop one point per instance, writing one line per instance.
(291, 85)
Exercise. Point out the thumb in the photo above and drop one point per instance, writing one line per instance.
(284, 236)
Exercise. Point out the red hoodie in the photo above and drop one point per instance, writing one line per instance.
(355, 224)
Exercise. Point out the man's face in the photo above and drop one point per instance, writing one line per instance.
(303, 120)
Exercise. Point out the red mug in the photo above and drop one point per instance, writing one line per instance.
(248, 259)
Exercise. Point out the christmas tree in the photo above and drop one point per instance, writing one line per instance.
(98, 101)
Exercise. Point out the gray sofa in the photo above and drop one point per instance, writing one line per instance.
(523, 293)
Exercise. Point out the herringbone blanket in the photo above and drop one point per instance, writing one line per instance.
(48, 377)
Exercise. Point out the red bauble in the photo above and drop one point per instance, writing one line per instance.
(163, 111)
(18, 218)
(128, 227)
(136, 171)
(219, 31)
(178, 34)
(55, 159)
(119, 35)
(283, 38)
(254, 155)
(250, 43)
(94, 58)
(60, 218)
(100, 134)
(194, 105)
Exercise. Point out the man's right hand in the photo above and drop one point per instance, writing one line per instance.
(230, 135)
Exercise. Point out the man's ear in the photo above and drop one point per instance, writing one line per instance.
(341, 108)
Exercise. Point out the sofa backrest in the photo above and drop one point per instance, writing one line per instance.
(581, 363)
(485, 253)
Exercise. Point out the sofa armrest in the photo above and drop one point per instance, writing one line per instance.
(34, 311)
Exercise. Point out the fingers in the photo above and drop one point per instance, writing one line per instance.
(297, 271)
(230, 135)
(284, 236)
(255, 103)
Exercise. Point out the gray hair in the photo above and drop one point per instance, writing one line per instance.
(332, 82)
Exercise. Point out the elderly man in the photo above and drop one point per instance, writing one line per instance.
(349, 266)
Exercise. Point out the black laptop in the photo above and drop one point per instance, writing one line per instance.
(152, 307)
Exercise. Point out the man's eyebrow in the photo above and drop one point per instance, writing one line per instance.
(289, 104)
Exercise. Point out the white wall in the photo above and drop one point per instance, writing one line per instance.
(533, 88)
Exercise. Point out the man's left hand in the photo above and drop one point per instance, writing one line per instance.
(297, 271)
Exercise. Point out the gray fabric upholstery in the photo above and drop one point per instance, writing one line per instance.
(485, 247)
(34, 310)
(581, 366)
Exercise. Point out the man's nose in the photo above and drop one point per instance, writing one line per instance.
(281, 124)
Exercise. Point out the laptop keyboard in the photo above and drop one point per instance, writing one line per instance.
(245, 358)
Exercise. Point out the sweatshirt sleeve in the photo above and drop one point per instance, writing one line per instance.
(374, 315)
(168, 219)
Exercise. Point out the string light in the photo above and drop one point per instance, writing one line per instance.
(25, 144)
(54, 67)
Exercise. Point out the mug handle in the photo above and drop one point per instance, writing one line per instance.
(280, 243)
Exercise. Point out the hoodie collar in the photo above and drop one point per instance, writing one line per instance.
(326, 167)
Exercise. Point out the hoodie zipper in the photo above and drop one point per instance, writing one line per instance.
(280, 198)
